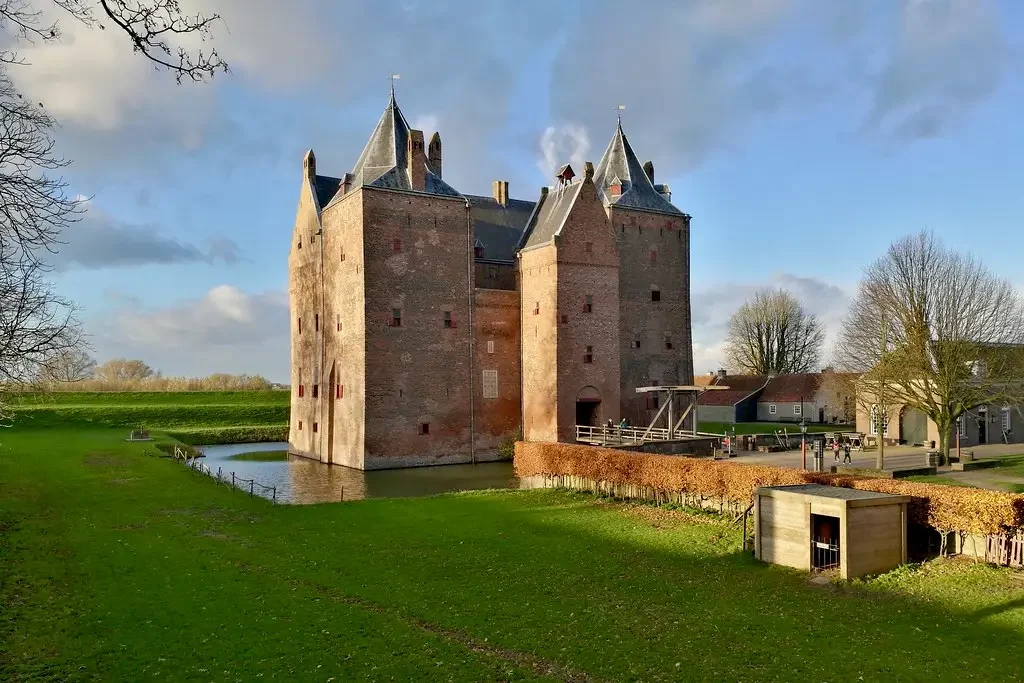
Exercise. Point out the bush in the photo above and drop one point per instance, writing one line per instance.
(217, 435)
(945, 508)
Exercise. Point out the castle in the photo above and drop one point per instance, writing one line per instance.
(429, 326)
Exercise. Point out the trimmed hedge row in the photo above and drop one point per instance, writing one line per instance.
(209, 436)
(946, 508)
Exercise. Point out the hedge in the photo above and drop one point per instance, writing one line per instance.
(945, 508)
(218, 435)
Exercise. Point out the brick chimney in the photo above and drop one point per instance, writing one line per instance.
(649, 170)
(499, 190)
(721, 374)
(309, 165)
(416, 157)
(434, 154)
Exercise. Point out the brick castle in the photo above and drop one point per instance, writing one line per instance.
(428, 326)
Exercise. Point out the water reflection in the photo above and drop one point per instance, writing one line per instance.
(300, 480)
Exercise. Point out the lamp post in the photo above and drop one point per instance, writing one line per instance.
(803, 443)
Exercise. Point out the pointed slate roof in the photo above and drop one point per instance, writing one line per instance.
(550, 217)
(383, 161)
(499, 227)
(619, 165)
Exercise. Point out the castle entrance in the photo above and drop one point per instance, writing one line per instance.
(588, 404)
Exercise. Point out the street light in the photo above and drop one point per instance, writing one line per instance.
(803, 442)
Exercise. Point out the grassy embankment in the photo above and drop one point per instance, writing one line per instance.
(793, 428)
(192, 417)
(1008, 472)
(116, 565)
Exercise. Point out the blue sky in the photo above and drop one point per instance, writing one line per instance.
(802, 136)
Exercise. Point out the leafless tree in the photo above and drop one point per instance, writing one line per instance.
(123, 371)
(69, 366)
(935, 330)
(773, 333)
(38, 325)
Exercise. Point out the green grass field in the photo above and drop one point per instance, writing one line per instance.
(194, 417)
(115, 565)
(767, 427)
(260, 456)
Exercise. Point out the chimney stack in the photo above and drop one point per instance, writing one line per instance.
(434, 154)
(499, 190)
(309, 165)
(416, 158)
(649, 170)
(588, 170)
(721, 374)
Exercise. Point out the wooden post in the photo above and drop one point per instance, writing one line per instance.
(250, 488)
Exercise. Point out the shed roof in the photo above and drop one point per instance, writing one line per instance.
(837, 492)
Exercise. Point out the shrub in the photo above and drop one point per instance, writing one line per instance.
(945, 508)
(216, 435)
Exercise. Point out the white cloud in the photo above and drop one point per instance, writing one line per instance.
(567, 143)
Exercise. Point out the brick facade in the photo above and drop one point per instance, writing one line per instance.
(432, 330)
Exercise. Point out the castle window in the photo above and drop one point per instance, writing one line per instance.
(299, 245)
(343, 253)
(302, 390)
(448, 322)
(478, 251)
(565, 318)
(396, 245)
(588, 304)
(635, 344)
(314, 427)
(424, 428)
(396, 317)
(589, 247)
(655, 294)
(668, 342)
(300, 325)
(339, 391)
(490, 383)
(316, 390)
(312, 238)
(536, 308)
(588, 355)
(316, 322)
(492, 272)
(300, 425)
(654, 256)
(339, 322)
(490, 346)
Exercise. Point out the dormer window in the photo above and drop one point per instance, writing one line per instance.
(565, 175)
(615, 187)
(478, 249)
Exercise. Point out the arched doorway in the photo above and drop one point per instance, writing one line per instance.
(913, 426)
(588, 402)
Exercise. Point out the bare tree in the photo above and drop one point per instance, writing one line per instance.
(772, 333)
(935, 330)
(69, 366)
(123, 371)
(37, 325)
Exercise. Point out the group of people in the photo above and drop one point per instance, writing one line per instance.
(845, 447)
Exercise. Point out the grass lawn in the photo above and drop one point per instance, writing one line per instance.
(193, 417)
(260, 456)
(116, 565)
(767, 427)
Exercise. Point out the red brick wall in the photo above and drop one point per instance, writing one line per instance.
(639, 233)
(496, 320)
(538, 278)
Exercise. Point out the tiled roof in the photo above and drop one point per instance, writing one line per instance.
(791, 388)
(619, 166)
(499, 227)
(704, 380)
(549, 219)
(740, 387)
(383, 160)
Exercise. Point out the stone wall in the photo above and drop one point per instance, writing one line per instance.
(496, 350)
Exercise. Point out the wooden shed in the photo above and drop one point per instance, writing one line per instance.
(812, 526)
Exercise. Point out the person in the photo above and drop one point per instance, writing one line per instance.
(846, 453)
(622, 423)
(835, 448)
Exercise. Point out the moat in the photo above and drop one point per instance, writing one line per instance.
(303, 481)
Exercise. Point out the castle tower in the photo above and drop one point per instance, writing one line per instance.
(569, 279)
(653, 239)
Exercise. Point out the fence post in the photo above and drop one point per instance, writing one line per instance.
(274, 494)
(250, 488)
(232, 480)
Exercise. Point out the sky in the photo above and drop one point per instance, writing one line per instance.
(802, 136)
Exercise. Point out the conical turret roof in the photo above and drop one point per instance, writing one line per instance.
(619, 166)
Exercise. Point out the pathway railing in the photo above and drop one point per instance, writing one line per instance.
(192, 461)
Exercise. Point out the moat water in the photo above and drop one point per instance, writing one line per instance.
(301, 481)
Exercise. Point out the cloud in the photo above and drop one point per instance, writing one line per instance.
(225, 330)
(712, 306)
(100, 241)
(567, 143)
(945, 59)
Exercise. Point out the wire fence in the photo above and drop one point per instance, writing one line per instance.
(191, 458)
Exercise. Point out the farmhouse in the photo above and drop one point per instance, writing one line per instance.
(795, 397)
(429, 326)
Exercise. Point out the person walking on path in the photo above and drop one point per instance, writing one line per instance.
(846, 454)
(835, 448)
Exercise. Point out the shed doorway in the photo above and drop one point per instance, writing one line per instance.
(913, 426)
(588, 404)
(824, 542)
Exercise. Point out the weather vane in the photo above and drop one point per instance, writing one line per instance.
(394, 77)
